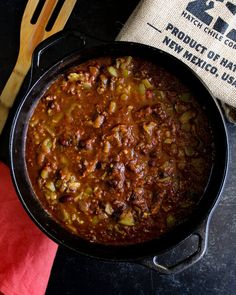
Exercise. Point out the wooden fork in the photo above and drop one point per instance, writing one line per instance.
(30, 36)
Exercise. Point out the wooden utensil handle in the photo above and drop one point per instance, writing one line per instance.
(3, 116)
(11, 89)
(14, 83)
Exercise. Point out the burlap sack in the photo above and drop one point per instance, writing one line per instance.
(201, 33)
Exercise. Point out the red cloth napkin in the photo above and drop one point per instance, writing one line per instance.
(26, 254)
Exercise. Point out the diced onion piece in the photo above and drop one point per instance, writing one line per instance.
(45, 173)
(98, 121)
(168, 141)
(107, 147)
(87, 85)
(147, 84)
(117, 228)
(160, 94)
(125, 73)
(129, 59)
(141, 89)
(83, 206)
(119, 89)
(149, 127)
(108, 209)
(95, 220)
(112, 107)
(50, 185)
(127, 218)
(124, 96)
(126, 62)
(112, 71)
(88, 191)
(50, 196)
(47, 145)
(73, 186)
(65, 215)
(73, 77)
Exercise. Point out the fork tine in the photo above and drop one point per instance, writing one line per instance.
(29, 10)
(46, 12)
(30, 36)
(62, 17)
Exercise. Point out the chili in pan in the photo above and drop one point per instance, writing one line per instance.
(119, 151)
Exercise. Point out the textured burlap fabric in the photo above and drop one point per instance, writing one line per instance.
(201, 33)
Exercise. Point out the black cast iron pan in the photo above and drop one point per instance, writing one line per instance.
(145, 253)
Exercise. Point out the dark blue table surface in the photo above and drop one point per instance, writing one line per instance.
(72, 273)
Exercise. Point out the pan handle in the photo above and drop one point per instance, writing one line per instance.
(66, 42)
(44, 51)
(202, 235)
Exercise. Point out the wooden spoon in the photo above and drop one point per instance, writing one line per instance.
(30, 36)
